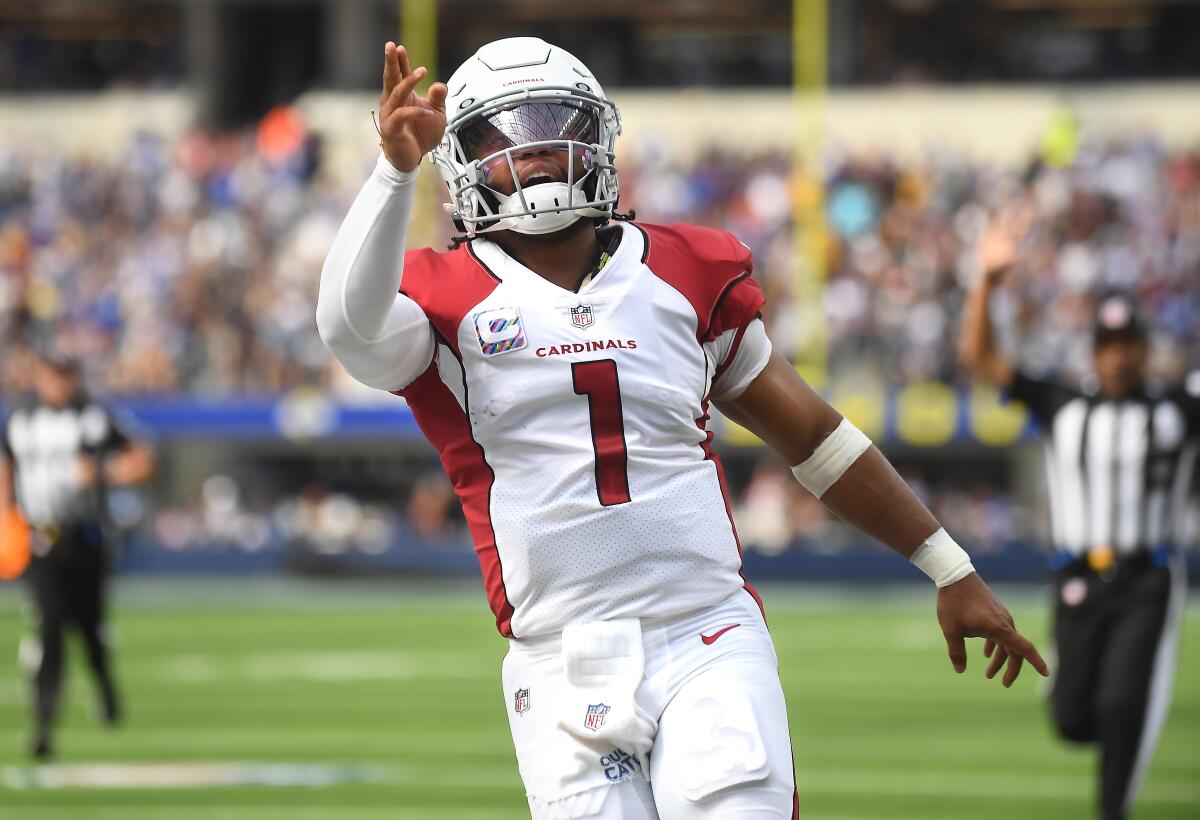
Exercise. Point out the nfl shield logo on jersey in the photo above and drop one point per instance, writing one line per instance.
(521, 701)
(597, 713)
(581, 316)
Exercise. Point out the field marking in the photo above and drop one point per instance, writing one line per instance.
(285, 736)
(443, 743)
(1057, 788)
(317, 666)
(225, 774)
(183, 775)
(967, 784)
(815, 679)
(807, 816)
(135, 812)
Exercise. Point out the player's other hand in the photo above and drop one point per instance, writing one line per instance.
(410, 126)
(969, 609)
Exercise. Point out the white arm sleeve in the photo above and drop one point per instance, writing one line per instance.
(380, 336)
(749, 360)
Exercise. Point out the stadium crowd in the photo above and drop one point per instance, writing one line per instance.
(773, 514)
(191, 267)
(1117, 214)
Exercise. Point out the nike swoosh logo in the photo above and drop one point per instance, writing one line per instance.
(710, 639)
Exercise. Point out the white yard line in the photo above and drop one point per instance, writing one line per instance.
(1071, 788)
(319, 666)
(185, 812)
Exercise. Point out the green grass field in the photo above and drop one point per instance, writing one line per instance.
(391, 692)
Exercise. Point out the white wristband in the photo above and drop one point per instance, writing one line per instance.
(942, 559)
(832, 458)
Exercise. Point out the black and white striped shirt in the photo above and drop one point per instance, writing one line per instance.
(1118, 471)
(44, 444)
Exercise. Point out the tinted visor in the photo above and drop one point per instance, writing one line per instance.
(534, 121)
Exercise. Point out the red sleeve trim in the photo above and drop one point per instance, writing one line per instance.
(711, 269)
(737, 306)
(446, 426)
(447, 285)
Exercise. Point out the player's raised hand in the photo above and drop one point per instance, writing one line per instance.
(410, 126)
(969, 609)
(998, 245)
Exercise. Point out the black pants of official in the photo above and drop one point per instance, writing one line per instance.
(1108, 634)
(68, 585)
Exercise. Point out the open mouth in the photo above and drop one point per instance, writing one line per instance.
(540, 178)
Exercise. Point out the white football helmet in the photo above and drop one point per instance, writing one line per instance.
(518, 97)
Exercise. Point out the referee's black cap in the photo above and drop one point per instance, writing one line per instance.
(1117, 318)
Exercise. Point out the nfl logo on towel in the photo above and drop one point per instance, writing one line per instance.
(521, 701)
(596, 715)
(581, 316)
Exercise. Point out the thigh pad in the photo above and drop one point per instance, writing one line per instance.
(721, 745)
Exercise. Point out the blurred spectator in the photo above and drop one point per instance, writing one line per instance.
(1121, 214)
(184, 267)
(192, 267)
(430, 508)
(775, 514)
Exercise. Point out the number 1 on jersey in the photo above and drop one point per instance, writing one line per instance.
(598, 381)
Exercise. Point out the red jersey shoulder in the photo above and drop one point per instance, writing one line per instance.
(446, 284)
(711, 269)
(707, 251)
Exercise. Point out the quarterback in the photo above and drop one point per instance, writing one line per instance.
(562, 359)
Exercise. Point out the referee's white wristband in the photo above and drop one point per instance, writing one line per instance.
(942, 559)
(832, 458)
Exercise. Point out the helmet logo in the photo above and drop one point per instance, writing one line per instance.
(522, 82)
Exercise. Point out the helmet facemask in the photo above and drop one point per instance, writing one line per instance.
(573, 130)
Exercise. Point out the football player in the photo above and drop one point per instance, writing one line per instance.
(562, 360)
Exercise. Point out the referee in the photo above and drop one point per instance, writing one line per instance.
(61, 451)
(1119, 461)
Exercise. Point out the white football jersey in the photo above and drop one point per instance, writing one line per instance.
(572, 424)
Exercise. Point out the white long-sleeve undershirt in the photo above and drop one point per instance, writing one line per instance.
(380, 336)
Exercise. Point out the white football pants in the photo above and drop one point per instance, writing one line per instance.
(722, 748)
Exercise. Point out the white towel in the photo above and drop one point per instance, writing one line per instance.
(605, 663)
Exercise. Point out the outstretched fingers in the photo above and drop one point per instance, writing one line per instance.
(402, 94)
(1020, 649)
(410, 125)
(957, 649)
(1014, 648)
(998, 656)
(437, 96)
(391, 71)
(1014, 669)
(407, 114)
(402, 60)
(1004, 647)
